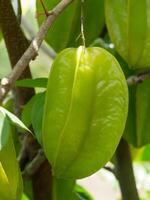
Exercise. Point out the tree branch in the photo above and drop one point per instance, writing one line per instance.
(32, 51)
(34, 165)
(139, 78)
(16, 45)
(111, 170)
(125, 172)
(46, 49)
(19, 13)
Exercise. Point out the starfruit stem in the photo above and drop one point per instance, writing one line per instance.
(82, 24)
(38, 14)
(46, 12)
(44, 8)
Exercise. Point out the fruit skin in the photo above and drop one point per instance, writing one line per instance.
(0, 35)
(129, 28)
(85, 111)
(65, 32)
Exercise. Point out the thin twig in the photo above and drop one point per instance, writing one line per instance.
(32, 51)
(44, 8)
(110, 169)
(19, 13)
(34, 165)
(139, 78)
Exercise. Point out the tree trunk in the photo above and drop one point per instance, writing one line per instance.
(16, 44)
(125, 173)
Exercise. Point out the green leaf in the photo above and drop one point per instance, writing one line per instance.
(24, 197)
(129, 30)
(85, 107)
(10, 178)
(27, 110)
(60, 38)
(28, 189)
(15, 120)
(32, 83)
(137, 130)
(33, 114)
(37, 115)
(4, 130)
(82, 193)
(63, 189)
(145, 156)
(10, 181)
(8, 104)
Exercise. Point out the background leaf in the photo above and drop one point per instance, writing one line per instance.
(27, 109)
(24, 197)
(32, 83)
(33, 114)
(60, 38)
(145, 155)
(137, 130)
(11, 185)
(82, 194)
(37, 115)
(15, 120)
(63, 189)
(4, 130)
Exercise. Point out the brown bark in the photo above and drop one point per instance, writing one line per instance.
(125, 172)
(17, 44)
(45, 189)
